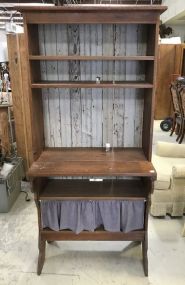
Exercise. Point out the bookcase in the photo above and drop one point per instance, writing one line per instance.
(73, 117)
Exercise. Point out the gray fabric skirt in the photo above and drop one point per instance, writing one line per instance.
(77, 216)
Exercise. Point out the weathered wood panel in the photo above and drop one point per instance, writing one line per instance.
(96, 49)
(19, 82)
(119, 94)
(86, 94)
(75, 93)
(64, 94)
(92, 117)
(108, 75)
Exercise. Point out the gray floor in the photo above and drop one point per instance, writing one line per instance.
(73, 263)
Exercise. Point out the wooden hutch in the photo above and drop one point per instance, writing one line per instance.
(72, 117)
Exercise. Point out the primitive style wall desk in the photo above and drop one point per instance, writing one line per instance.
(73, 116)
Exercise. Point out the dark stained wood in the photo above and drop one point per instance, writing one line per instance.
(35, 71)
(93, 8)
(133, 164)
(87, 84)
(92, 162)
(91, 58)
(181, 60)
(149, 187)
(118, 17)
(93, 190)
(151, 39)
(33, 46)
(37, 124)
(147, 124)
(34, 105)
(149, 99)
(50, 235)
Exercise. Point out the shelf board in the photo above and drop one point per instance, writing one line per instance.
(92, 162)
(90, 58)
(87, 190)
(98, 234)
(94, 7)
(91, 84)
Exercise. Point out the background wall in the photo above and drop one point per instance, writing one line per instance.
(178, 31)
(3, 47)
(175, 7)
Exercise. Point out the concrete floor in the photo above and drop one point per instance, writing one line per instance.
(89, 263)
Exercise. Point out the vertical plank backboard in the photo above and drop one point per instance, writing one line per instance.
(75, 94)
(119, 94)
(54, 102)
(131, 49)
(45, 92)
(86, 93)
(64, 94)
(93, 116)
(108, 75)
(96, 49)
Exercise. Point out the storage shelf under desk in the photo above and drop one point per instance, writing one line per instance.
(92, 162)
(64, 189)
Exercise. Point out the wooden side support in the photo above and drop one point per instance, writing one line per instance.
(19, 80)
(100, 234)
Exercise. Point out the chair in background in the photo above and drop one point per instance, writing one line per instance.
(177, 119)
(182, 109)
(169, 189)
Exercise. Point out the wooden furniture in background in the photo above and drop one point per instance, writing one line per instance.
(72, 117)
(181, 59)
(171, 64)
(167, 65)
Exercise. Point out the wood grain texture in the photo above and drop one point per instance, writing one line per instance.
(75, 16)
(87, 84)
(94, 8)
(19, 82)
(101, 234)
(93, 116)
(96, 112)
(92, 162)
(86, 57)
(166, 67)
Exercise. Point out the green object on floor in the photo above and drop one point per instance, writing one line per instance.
(10, 186)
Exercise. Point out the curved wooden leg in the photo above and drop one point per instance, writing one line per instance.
(145, 255)
(41, 258)
(179, 132)
(182, 133)
(173, 126)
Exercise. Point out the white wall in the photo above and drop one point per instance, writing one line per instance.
(175, 7)
(3, 43)
(3, 46)
(178, 31)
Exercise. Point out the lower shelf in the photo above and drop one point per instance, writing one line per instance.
(97, 235)
(64, 189)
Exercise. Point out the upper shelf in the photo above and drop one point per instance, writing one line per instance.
(146, 14)
(93, 7)
(91, 84)
(92, 162)
(90, 58)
